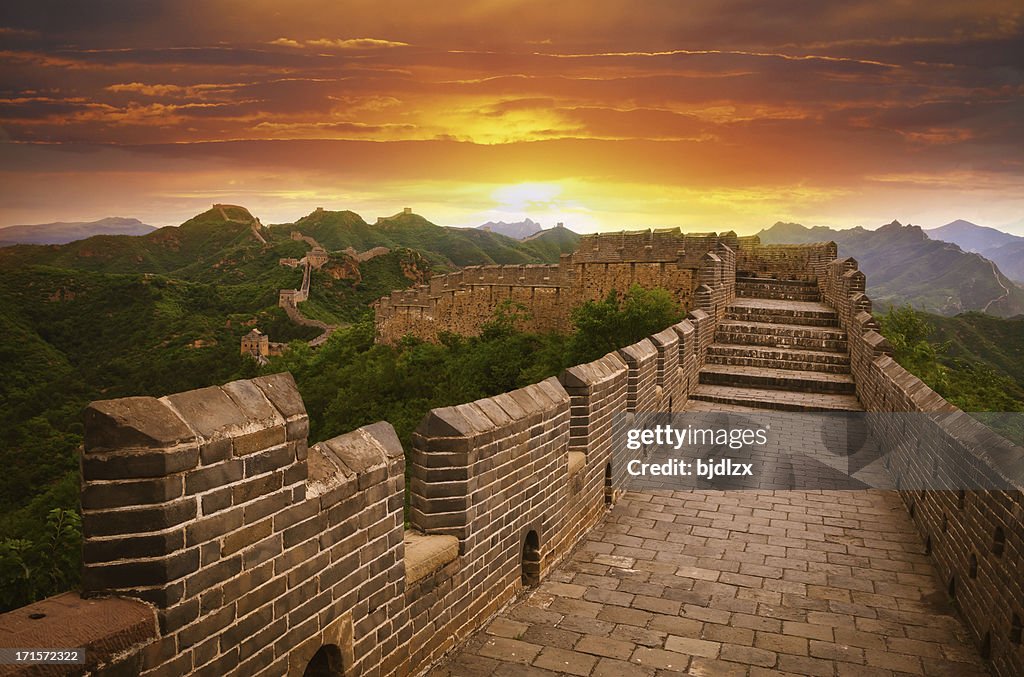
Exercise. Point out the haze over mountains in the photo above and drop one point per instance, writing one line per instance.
(62, 232)
(517, 230)
(904, 266)
(955, 268)
(1004, 249)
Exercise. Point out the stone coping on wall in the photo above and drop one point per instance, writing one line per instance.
(109, 629)
(426, 553)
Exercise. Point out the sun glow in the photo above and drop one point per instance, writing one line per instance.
(528, 197)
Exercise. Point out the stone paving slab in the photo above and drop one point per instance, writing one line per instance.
(749, 583)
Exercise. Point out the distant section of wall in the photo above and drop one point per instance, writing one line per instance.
(976, 538)
(688, 265)
(784, 261)
(461, 302)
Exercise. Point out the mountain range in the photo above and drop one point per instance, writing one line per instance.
(905, 266)
(1003, 249)
(518, 230)
(116, 315)
(62, 232)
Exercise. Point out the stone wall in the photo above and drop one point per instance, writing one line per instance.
(784, 261)
(254, 554)
(461, 302)
(688, 265)
(976, 537)
(246, 552)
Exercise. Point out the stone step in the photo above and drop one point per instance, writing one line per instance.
(779, 311)
(750, 292)
(770, 340)
(795, 284)
(781, 335)
(754, 398)
(769, 288)
(811, 319)
(693, 405)
(776, 379)
(778, 358)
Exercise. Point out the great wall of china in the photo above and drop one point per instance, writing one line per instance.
(217, 542)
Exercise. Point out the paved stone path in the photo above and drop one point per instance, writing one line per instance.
(752, 583)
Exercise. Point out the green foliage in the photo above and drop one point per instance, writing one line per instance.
(908, 332)
(115, 316)
(974, 385)
(620, 320)
(351, 381)
(43, 564)
(445, 247)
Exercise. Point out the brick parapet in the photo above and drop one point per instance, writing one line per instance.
(462, 301)
(784, 261)
(255, 550)
(975, 537)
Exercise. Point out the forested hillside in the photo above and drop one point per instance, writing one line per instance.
(113, 316)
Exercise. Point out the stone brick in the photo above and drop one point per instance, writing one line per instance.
(265, 438)
(139, 464)
(141, 520)
(245, 537)
(96, 496)
(132, 423)
(137, 547)
(111, 576)
(257, 487)
(282, 392)
(214, 476)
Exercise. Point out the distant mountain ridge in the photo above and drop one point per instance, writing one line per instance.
(518, 230)
(62, 232)
(1004, 249)
(904, 266)
(971, 237)
(226, 245)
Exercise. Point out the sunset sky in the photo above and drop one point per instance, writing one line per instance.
(605, 114)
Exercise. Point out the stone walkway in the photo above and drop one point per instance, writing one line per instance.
(751, 583)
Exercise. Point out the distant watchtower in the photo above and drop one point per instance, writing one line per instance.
(256, 343)
(317, 257)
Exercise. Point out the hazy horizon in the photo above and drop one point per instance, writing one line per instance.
(1014, 229)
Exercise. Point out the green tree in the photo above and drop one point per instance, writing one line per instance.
(972, 386)
(620, 320)
(908, 332)
(35, 568)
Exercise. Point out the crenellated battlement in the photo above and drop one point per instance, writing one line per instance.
(462, 301)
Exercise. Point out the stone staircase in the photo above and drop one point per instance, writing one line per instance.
(778, 347)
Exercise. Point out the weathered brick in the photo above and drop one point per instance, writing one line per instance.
(128, 547)
(141, 520)
(214, 476)
(97, 495)
(245, 537)
(111, 576)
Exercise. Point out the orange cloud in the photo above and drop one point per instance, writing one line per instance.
(657, 117)
(340, 43)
